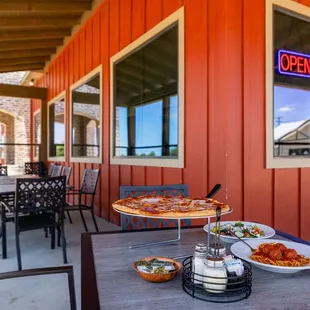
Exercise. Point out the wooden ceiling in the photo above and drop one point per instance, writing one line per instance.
(31, 30)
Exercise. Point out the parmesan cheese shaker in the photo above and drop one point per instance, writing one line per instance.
(199, 257)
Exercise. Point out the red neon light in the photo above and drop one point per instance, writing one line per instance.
(294, 64)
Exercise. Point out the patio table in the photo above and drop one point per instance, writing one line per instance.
(109, 282)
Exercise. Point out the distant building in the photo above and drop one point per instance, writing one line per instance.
(295, 137)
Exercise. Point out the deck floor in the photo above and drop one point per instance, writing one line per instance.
(44, 292)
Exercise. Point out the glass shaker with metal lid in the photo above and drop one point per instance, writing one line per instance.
(215, 275)
(199, 257)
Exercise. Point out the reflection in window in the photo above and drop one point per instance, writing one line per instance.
(146, 99)
(291, 93)
(37, 133)
(57, 132)
(86, 119)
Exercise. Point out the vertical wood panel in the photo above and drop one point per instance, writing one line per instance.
(304, 204)
(82, 58)
(172, 5)
(258, 181)
(287, 200)
(105, 168)
(217, 161)
(153, 13)
(149, 15)
(138, 18)
(96, 40)
(234, 97)
(195, 172)
(171, 175)
(125, 39)
(88, 47)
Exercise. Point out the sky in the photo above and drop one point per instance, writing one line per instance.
(291, 104)
(149, 123)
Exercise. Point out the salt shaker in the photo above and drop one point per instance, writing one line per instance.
(199, 257)
(215, 275)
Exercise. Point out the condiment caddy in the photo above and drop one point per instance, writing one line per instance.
(211, 275)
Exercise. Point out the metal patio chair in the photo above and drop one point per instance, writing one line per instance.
(35, 168)
(66, 171)
(46, 271)
(50, 169)
(86, 196)
(43, 201)
(56, 171)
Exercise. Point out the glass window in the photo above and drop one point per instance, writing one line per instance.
(37, 133)
(86, 119)
(146, 99)
(57, 132)
(291, 91)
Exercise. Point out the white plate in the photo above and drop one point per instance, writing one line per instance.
(242, 251)
(269, 232)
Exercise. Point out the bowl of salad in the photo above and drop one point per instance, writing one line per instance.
(244, 230)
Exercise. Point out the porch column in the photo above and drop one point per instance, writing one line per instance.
(43, 147)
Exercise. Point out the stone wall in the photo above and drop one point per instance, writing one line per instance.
(15, 111)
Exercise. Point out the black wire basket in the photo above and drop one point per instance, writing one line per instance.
(237, 287)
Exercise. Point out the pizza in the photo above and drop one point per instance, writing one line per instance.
(167, 206)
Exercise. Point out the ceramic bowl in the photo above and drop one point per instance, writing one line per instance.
(154, 277)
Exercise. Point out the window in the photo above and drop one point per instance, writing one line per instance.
(147, 99)
(56, 128)
(287, 84)
(86, 118)
(36, 133)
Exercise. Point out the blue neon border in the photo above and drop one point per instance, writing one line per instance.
(290, 73)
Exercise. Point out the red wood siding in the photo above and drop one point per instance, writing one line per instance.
(224, 107)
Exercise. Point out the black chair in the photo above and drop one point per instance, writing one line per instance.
(66, 171)
(43, 201)
(50, 169)
(35, 168)
(7, 215)
(56, 171)
(87, 190)
(3, 171)
(46, 271)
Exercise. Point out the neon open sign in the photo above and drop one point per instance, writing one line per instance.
(292, 63)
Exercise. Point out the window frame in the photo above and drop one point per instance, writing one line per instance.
(59, 97)
(35, 158)
(297, 10)
(80, 82)
(177, 16)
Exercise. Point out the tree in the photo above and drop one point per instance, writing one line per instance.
(152, 153)
(174, 151)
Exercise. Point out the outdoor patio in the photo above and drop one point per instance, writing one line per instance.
(45, 292)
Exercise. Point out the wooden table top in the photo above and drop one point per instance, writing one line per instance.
(109, 282)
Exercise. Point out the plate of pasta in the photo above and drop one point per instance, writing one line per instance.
(279, 256)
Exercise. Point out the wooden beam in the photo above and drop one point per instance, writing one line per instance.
(12, 35)
(27, 53)
(26, 60)
(37, 22)
(86, 98)
(52, 6)
(22, 67)
(18, 91)
(20, 45)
